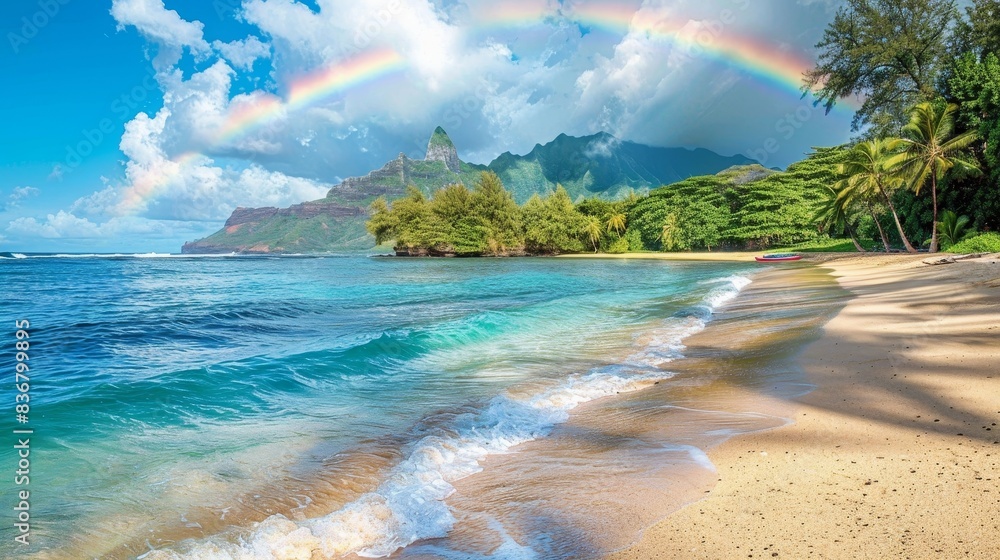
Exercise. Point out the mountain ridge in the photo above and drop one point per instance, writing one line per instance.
(595, 165)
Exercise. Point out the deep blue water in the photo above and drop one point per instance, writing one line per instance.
(170, 391)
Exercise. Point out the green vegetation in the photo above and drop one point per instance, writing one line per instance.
(953, 229)
(454, 221)
(889, 51)
(870, 181)
(931, 119)
(984, 243)
(744, 207)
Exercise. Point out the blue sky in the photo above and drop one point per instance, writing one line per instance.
(113, 110)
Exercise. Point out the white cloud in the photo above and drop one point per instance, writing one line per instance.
(67, 226)
(602, 146)
(162, 26)
(190, 186)
(153, 20)
(443, 61)
(20, 193)
(17, 195)
(59, 225)
(242, 54)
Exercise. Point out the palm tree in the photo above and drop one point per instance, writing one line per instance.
(931, 149)
(592, 229)
(669, 236)
(953, 228)
(832, 215)
(869, 168)
(616, 223)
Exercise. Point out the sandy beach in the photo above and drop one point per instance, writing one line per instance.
(895, 454)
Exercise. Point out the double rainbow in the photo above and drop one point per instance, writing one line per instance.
(763, 61)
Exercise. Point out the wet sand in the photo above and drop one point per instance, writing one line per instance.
(621, 464)
(895, 454)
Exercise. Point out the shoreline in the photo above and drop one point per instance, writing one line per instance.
(893, 454)
(651, 441)
(735, 256)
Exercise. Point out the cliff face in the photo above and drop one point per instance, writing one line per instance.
(305, 210)
(441, 148)
(439, 167)
(598, 165)
(243, 215)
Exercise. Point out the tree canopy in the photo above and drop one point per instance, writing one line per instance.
(890, 52)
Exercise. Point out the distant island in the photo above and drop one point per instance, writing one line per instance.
(599, 166)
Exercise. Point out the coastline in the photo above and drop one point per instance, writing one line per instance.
(721, 256)
(650, 442)
(893, 454)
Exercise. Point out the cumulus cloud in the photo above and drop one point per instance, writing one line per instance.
(190, 186)
(153, 20)
(242, 54)
(162, 26)
(61, 224)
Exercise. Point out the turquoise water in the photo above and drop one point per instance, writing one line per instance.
(178, 403)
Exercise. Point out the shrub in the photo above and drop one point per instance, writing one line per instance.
(619, 245)
(985, 243)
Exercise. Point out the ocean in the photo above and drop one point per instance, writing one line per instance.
(345, 406)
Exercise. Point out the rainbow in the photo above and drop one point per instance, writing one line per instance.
(147, 188)
(252, 112)
(309, 90)
(763, 61)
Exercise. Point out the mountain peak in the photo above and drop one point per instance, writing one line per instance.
(441, 148)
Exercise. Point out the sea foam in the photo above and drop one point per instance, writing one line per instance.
(409, 504)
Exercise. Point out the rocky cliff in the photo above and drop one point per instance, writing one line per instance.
(441, 148)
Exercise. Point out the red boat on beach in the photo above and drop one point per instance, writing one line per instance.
(780, 257)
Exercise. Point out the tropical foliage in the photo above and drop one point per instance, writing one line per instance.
(953, 229)
(891, 52)
(743, 207)
(930, 79)
(985, 243)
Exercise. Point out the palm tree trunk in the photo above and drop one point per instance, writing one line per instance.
(934, 236)
(881, 232)
(899, 226)
(850, 232)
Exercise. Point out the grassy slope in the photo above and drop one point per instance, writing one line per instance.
(296, 235)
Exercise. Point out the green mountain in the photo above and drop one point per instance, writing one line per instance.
(603, 165)
(597, 165)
